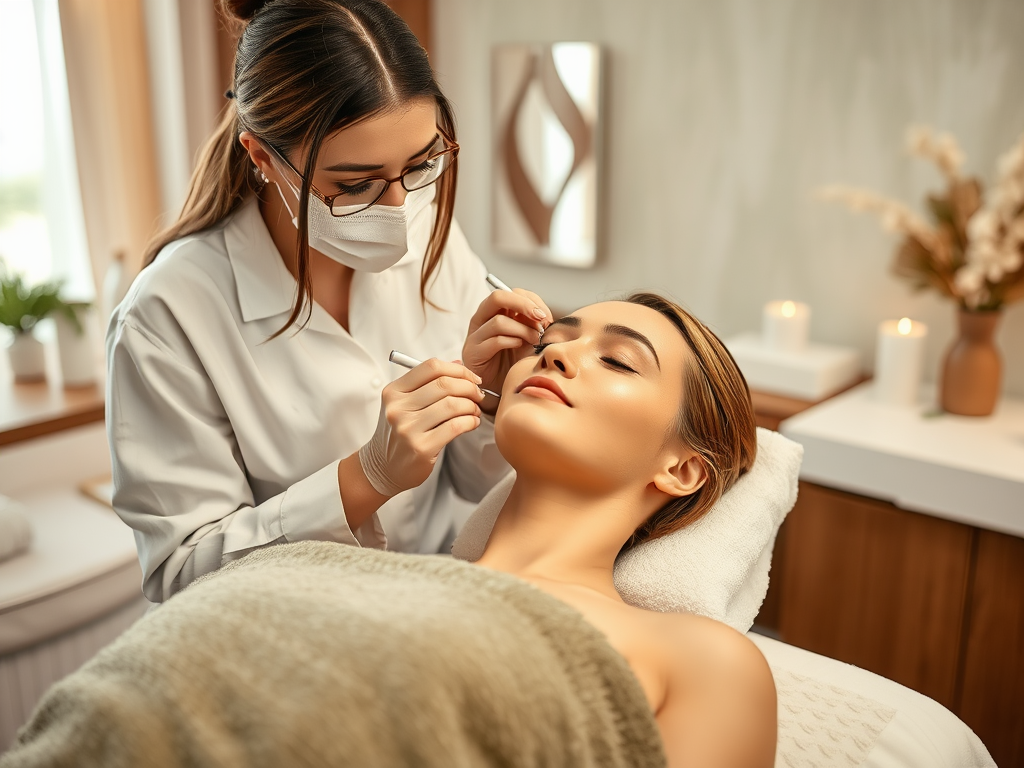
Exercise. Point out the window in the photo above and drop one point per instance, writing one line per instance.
(42, 232)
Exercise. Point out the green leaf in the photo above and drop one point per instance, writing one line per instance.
(22, 306)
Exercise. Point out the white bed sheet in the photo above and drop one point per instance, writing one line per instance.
(884, 724)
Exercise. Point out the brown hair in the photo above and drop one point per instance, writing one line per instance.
(716, 420)
(303, 70)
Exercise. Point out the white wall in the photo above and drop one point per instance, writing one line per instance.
(723, 117)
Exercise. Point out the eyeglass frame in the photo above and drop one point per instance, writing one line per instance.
(451, 148)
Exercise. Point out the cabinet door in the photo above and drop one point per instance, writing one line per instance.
(992, 694)
(876, 586)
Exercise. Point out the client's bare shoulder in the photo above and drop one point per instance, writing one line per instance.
(708, 686)
(719, 706)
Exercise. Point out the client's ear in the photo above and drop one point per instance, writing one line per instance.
(681, 477)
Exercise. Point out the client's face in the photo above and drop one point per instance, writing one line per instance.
(598, 403)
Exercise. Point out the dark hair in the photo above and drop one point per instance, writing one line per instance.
(303, 70)
(716, 420)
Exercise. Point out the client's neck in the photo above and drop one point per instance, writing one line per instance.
(550, 532)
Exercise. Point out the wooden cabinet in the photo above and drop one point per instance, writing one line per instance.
(990, 695)
(876, 586)
(933, 604)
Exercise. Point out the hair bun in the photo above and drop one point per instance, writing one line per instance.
(243, 10)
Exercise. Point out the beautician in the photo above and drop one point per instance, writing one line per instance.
(250, 400)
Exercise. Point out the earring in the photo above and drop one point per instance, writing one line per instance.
(263, 176)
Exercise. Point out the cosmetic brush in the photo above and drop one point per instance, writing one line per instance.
(494, 282)
(405, 361)
(497, 284)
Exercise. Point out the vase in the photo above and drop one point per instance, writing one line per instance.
(28, 361)
(972, 370)
(76, 348)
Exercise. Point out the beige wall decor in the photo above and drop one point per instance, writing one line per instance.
(546, 106)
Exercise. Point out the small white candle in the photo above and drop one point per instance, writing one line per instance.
(786, 326)
(898, 361)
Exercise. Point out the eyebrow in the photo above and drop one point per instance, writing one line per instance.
(361, 167)
(569, 320)
(618, 330)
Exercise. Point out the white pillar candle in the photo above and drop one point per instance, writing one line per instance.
(786, 326)
(898, 361)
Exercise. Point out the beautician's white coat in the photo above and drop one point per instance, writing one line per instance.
(222, 441)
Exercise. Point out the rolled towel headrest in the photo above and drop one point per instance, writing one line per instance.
(717, 567)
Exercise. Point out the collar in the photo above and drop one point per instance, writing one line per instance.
(265, 286)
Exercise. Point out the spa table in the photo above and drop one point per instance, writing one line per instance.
(43, 408)
(904, 554)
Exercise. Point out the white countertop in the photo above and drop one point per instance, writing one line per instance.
(969, 469)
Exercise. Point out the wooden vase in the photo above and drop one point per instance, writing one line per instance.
(972, 370)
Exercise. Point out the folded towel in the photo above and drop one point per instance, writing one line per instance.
(717, 567)
(15, 530)
(321, 654)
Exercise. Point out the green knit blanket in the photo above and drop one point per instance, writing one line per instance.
(320, 654)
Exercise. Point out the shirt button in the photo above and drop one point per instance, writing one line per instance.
(376, 383)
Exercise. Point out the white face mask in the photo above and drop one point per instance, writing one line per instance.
(371, 240)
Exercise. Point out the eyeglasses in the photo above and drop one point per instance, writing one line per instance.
(357, 196)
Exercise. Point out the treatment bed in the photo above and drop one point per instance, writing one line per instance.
(836, 714)
(202, 657)
(248, 666)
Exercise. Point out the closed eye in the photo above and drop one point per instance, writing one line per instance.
(359, 188)
(611, 361)
(426, 165)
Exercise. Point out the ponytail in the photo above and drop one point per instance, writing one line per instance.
(219, 184)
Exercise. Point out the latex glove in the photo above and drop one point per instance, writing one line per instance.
(502, 332)
(420, 413)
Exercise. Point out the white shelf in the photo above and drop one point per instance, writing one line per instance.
(969, 469)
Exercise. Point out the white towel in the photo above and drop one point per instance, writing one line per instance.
(15, 531)
(717, 567)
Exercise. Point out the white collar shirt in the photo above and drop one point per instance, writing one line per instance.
(223, 441)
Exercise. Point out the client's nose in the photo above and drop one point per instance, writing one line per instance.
(560, 357)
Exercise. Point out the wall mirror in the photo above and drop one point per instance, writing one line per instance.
(546, 118)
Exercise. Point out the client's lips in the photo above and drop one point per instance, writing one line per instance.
(543, 382)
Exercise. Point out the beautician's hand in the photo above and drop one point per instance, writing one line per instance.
(421, 413)
(502, 332)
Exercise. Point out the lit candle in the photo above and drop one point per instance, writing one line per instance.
(898, 361)
(786, 325)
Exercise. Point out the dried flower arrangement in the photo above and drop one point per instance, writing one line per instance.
(974, 251)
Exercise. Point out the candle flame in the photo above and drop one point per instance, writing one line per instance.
(904, 326)
(788, 309)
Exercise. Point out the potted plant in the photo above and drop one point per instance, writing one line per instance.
(21, 307)
(972, 251)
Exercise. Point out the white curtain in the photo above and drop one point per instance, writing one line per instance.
(62, 204)
(108, 85)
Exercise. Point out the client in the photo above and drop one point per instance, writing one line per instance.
(628, 423)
